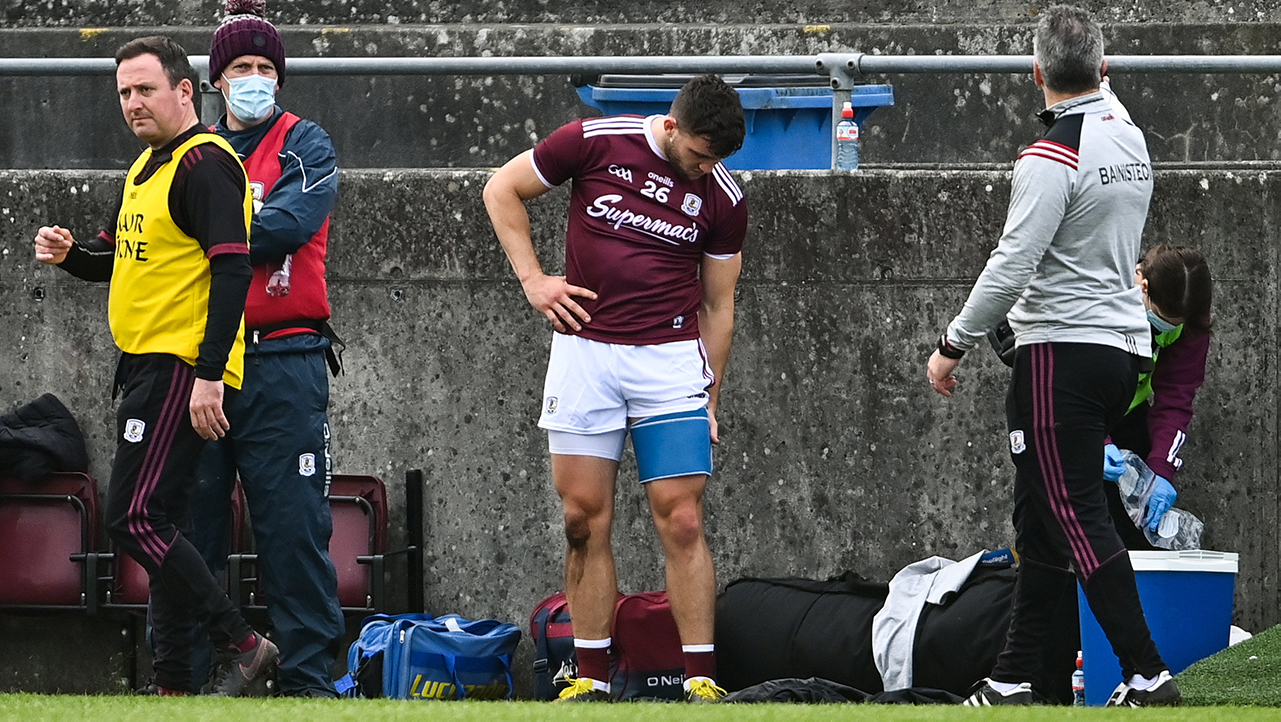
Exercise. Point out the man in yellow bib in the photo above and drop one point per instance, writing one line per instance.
(178, 263)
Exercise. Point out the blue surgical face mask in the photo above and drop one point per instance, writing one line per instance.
(1160, 324)
(250, 98)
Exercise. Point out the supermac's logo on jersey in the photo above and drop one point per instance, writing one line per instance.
(307, 465)
(1017, 446)
(692, 204)
(621, 172)
(134, 430)
(604, 207)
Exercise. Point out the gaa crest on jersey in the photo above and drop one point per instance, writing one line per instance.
(1017, 445)
(692, 204)
(621, 172)
(134, 430)
(307, 464)
(552, 403)
(678, 322)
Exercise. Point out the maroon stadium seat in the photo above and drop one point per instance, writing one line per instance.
(358, 505)
(130, 586)
(47, 528)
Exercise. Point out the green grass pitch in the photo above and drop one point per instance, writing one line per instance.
(35, 708)
(1242, 683)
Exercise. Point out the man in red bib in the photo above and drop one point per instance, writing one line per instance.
(279, 442)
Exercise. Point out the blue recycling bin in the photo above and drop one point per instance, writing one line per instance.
(787, 127)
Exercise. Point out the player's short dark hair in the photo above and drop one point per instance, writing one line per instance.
(1179, 283)
(709, 108)
(1069, 49)
(170, 54)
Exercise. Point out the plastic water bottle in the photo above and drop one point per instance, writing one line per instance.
(847, 140)
(1078, 682)
(1177, 530)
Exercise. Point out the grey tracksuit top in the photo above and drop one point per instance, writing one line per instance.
(1064, 268)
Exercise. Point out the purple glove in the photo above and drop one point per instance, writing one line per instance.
(1113, 463)
(1162, 498)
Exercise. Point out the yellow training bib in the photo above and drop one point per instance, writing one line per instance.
(160, 279)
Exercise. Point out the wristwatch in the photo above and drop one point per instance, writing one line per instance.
(948, 350)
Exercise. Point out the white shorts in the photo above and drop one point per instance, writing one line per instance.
(594, 387)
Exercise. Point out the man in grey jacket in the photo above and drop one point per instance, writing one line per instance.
(1063, 273)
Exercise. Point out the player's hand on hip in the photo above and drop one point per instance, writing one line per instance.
(939, 372)
(206, 410)
(52, 244)
(553, 297)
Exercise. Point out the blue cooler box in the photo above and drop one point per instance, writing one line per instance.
(1187, 599)
(787, 127)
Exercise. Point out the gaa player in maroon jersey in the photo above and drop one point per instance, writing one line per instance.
(643, 319)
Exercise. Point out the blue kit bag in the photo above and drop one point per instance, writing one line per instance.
(417, 656)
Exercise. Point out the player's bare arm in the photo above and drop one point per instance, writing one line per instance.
(505, 196)
(716, 321)
(52, 244)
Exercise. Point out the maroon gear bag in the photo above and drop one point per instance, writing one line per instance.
(647, 661)
(645, 657)
(553, 636)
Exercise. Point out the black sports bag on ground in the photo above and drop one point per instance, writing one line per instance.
(770, 629)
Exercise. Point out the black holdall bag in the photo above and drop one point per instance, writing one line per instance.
(770, 629)
(957, 642)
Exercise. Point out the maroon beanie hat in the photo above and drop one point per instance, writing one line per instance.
(245, 31)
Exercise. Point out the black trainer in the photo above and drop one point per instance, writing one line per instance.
(309, 693)
(1163, 693)
(236, 670)
(985, 696)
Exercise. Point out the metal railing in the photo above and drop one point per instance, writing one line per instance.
(843, 69)
(822, 64)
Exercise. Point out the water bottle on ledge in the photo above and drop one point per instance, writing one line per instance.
(847, 140)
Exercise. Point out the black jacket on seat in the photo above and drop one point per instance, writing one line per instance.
(39, 439)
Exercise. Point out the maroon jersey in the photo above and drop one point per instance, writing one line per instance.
(637, 231)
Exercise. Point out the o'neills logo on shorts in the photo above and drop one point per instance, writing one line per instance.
(604, 207)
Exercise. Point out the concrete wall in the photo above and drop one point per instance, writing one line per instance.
(92, 13)
(835, 456)
(481, 122)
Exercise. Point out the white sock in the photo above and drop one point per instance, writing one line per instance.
(1003, 687)
(1142, 683)
(593, 643)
